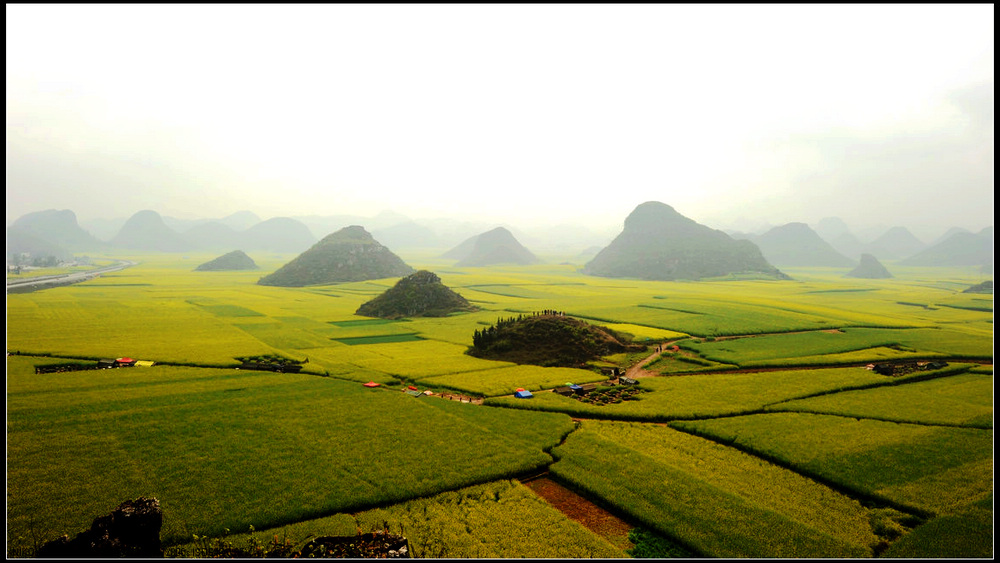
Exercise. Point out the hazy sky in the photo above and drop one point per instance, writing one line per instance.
(733, 114)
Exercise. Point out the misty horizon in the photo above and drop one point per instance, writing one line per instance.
(565, 234)
(741, 119)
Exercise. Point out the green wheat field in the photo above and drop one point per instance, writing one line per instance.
(762, 435)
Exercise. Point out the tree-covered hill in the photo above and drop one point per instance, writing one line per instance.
(550, 340)
(418, 295)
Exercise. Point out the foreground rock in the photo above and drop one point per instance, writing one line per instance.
(418, 295)
(132, 530)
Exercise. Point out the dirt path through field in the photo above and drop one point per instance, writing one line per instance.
(639, 369)
(578, 508)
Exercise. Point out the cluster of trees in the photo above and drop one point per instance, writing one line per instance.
(486, 338)
(48, 261)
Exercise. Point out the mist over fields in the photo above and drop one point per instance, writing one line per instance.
(552, 121)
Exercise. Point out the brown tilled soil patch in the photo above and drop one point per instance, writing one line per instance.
(593, 517)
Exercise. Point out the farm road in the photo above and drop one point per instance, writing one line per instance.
(45, 282)
(639, 369)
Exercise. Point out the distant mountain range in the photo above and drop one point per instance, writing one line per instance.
(57, 233)
(962, 248)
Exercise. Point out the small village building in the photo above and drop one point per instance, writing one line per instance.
(143, 364)
(372, 384)
(106, 364)
(523, 394)
(124, 362)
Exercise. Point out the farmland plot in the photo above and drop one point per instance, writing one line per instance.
(707, 395)
(934, 469)
(960, 400)
(850, 344)
(713, 514)
(473, 522)
(228, 448)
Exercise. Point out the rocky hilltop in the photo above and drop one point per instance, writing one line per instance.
(348, 255)
(658, 243)
(869, 268)
(497, 246)
(235, 260)
(418, 295)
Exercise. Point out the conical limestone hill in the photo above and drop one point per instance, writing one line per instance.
(497, 246)
(658, 243)
(348, 255)
(235, 260)
(418, 295)
(869, 268)
(796, 244)
(58, 228)
(897, 242)
(146, 231)
(960, 249)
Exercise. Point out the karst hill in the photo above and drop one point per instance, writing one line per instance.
(235, 260)
(348, 255)
(58, 228)
(897, 242)
(959, 249)
(658, 243)
(497, 246)
(869, 268)
(418, 295)
(985, 287)
(146, 231)
(796, 244)
(549, 340)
